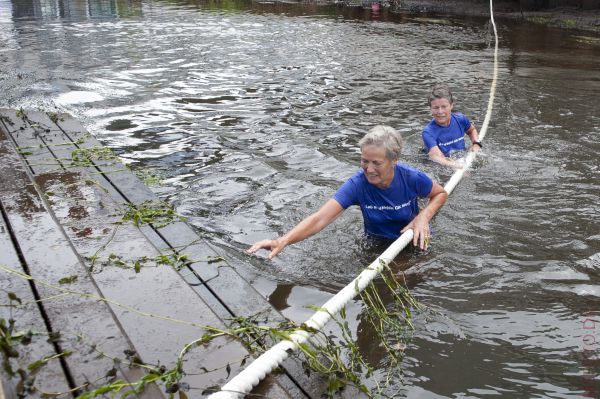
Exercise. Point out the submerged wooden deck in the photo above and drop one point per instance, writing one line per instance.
(91, 289)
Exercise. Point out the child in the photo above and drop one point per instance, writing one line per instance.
(446, 131)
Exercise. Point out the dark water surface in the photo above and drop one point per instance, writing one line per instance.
(251, 114)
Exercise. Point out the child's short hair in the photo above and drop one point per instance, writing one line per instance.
(440, 91)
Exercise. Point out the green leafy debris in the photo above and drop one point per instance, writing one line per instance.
(86, 156)
(155, 212)
(68, 279)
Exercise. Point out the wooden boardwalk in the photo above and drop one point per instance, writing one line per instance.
(94, 295)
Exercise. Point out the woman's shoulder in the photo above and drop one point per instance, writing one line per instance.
(357, 178)
(459, 116)
(430, 126)
(410, 176)
(406, 168)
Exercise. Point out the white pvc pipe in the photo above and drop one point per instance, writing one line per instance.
(265, 363)
(248, 378)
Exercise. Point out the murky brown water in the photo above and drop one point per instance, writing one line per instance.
(252, 112)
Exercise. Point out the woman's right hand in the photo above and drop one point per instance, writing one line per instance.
(306, 228)
(457, 164)
(275, 246)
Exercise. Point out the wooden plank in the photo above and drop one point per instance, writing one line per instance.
(213, 282)
(36, 153)
(86, 325)
(27, 317)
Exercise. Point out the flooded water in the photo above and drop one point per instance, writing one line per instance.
(251, 112)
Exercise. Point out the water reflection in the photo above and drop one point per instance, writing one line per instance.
(42, 9)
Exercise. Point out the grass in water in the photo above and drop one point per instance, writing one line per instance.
(86, 156)
(148, 177)
(157, 213)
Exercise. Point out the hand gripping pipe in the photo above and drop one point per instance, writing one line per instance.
(243, 383)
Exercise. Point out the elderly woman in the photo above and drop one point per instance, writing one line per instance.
(386, 192)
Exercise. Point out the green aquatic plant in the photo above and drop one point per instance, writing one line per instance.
(24, 150)
(156, 212)
(68, 279)
(11, 342)
(148, 177)
(86, 156)
(540, 20)
(175, 260)
(569, 23)
(55, 117)
(21, 114)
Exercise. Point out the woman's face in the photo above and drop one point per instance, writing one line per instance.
(441, 109)
(379, 170)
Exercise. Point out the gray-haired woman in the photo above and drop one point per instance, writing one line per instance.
(386, 192)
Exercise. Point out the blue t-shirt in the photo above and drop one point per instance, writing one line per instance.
(386, 211)
(447, 138)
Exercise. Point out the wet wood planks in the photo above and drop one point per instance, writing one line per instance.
(91, 290)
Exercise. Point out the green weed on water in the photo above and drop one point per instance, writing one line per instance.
(148, 177)
(155, 212)
(86, 156)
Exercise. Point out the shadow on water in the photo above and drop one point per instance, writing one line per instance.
(252, 111)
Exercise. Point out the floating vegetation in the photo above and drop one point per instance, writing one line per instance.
(23, 150)
(569, 23)
(215, 259)
(68, 280)
(7, 120)
(176, 261)
(148, 177)
(21, 114)
(555, 22)
(55, 117)
(170, 378)
(86, 156)
(391, 318)
(11, 341)
(155, 212)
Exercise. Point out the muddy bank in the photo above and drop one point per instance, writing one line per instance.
(578, 15)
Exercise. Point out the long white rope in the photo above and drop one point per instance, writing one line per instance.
(458, 175)
(243, 383)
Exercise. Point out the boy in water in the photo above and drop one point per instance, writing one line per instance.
(446, 131)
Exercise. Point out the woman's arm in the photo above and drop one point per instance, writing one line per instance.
(436, 155)
(474, 136)
(306, 228)
(420, 224)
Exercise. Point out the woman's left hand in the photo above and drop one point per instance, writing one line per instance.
(420, 228)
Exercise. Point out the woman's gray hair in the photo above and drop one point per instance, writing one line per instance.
(440, 91)
(386, 137)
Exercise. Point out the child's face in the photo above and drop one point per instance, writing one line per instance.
(441, 109)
